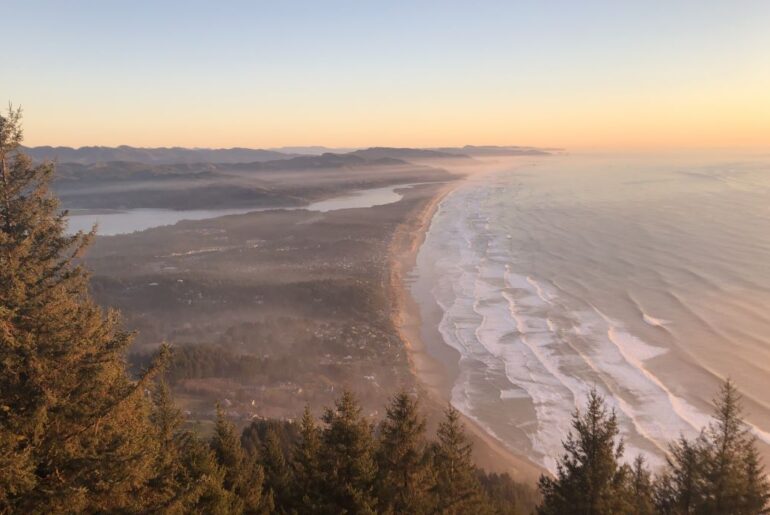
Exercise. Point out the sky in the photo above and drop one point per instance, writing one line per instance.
(574, 74)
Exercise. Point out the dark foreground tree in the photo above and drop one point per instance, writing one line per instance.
(243, 477)
(186, 478)
(505, 495)
(720, 471)
(347, 459)
(734, 481)
(403, 479)
(590, 479)
(640, 489)
(74, 428)
(277, 474)
(457, 488)
(306, 466)
(679, 488)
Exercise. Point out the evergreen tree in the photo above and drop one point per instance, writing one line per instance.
(242, 474)
(253, 435)
(756, 495)
(506, 495)
(347, 459)
(457, 488)
(589, 479)
(276, 472)
(402, 473)
(206, 493)
(728, 444)
(74, 428)
(165, 489)
(640, 489)
(725, 439)
(187, 477)
(306, 466)
(679, 488)
(720, 471)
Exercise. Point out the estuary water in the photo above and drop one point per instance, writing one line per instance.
(648, 279)
(111, 223)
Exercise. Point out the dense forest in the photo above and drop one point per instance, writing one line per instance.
(79, 432)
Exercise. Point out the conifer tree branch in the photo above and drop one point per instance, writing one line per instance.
(159, 363)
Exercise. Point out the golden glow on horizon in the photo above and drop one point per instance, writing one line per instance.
(593, 111)
(604, 74)
(738, 122)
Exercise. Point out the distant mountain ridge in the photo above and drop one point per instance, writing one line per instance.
(237, 156)
(327, 160)
(495, 150)
(408, 154)
(314, 150)
(155, 156)
(132, 170)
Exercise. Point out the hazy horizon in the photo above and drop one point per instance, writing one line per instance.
(589, 76)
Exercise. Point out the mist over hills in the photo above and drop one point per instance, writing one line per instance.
(315, 150)
(92, 155)
(411, 154)
(133, 170)
(494, 150)
(327, 160)
(288, 181)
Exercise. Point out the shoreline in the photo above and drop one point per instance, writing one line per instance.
(431, 375)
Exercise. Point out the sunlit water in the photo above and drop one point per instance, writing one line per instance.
(111, 223)
(649, 280)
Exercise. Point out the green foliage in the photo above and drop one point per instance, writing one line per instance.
(243, 476)
(255, 434)
(506, 495)
(640, 489)
(187, 477)
(74, 428)
(202, 479)
(277, 474)
(201, 361)
(306, 466)
(590, 478)
(719, 472)
(678, 489)
(403, 476)
(347, 459)
(457, 488)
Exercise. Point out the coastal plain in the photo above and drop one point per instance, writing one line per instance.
(281, 307)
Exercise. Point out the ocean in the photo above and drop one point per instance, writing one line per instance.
(645, 278)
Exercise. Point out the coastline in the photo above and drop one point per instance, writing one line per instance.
(432, 376)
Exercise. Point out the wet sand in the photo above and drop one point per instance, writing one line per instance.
(430, 360)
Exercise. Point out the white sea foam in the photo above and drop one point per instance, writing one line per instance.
(513, 394)
(513, 282)
(656, 322)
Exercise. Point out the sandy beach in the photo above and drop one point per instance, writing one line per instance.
(434, 376)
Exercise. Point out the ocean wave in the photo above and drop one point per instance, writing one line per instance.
(528, 334)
